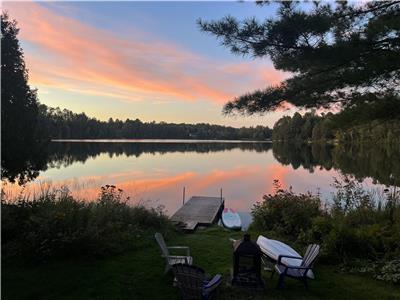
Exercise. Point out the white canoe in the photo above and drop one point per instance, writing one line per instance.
(274, 248)
(231, 219)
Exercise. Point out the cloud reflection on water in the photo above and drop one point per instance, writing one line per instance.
(156, 174)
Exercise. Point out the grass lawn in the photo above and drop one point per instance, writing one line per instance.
(139, 275)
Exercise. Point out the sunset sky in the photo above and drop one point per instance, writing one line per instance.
(145, 60)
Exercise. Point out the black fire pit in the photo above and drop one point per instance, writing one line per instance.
(246, 263)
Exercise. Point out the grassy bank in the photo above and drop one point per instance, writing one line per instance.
(58, 247)
(138, 274)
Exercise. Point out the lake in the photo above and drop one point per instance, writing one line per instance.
(154, 172)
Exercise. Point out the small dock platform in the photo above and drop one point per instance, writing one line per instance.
(198, 210)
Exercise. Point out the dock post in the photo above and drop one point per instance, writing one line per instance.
(183, 196)
(221, 195)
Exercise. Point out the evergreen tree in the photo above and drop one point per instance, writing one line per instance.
(336, 52)
(19, 105)
(19, 109)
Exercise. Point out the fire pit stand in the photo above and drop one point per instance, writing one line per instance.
(246, 263)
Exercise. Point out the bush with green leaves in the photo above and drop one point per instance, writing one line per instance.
(57, 225)
(285, 212)
(388, 270)
(356, 227)
(362, 219)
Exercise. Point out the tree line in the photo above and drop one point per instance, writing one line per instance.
(375, 121)
(55, 123)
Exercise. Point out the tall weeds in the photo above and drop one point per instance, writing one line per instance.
(55, 224)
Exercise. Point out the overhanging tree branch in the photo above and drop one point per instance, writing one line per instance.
(352, 47)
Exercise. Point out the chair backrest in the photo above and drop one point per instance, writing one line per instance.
(190, 280)
(310, 255)
(160, 240)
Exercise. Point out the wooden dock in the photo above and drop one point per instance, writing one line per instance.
(198, 210)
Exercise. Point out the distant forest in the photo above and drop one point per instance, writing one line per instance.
(373, 122)
(55, 123)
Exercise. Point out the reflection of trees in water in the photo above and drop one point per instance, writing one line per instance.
(26, 162)
(22, 161)
(380, 162)
(306, 156)
(66, 153)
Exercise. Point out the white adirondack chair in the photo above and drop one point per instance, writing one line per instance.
(297, 271)
(172, 259)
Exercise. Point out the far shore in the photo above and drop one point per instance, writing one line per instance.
(157, 141)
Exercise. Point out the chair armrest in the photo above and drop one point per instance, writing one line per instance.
(306, 269)
(287, 267)
(182, 248)
(213, 283)
(297, 267)
(287, 256)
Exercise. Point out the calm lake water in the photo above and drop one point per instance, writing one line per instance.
(155, 172)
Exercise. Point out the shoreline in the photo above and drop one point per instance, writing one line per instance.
(171, 141)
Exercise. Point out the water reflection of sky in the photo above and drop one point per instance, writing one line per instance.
(158, 179)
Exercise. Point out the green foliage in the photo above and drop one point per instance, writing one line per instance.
(387, 108)
(359, 124)
(336, 52)
(357, 220)
(370, 133)
(357, 226)
(351, 197)
(388, 271)
(57, 225)
(300, 129)
(286, 213)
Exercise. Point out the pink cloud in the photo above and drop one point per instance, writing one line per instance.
(74, 56)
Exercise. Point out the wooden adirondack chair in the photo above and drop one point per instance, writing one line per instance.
(192, 282)
(172, 259)
(297, 272)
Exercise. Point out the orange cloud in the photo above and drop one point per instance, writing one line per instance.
(261, 73)
(68, 54)
(273, 77)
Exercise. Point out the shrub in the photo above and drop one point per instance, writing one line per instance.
(360, 221)
(357, 226)
(285, 212)
(388, 271)
(57, 225)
